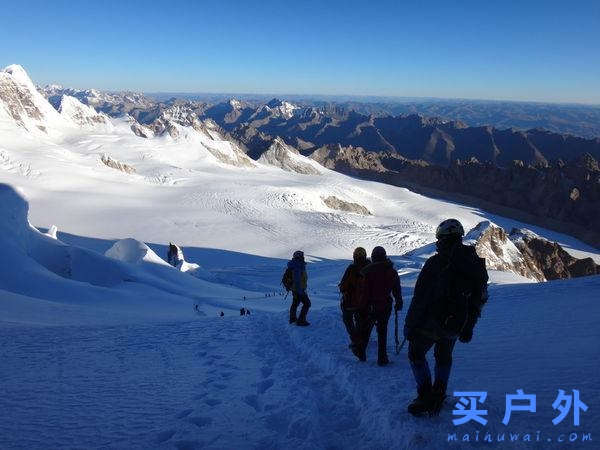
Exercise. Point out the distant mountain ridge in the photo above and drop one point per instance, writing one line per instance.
(564, 118)
(434, 140)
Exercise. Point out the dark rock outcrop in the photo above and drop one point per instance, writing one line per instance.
(500, 253)
(525, 253)
(561, 195)
(551, 258)
(342, 205)
(117, 165)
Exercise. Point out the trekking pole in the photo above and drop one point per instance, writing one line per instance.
(401, 346)
(398, 347)
(286, 294)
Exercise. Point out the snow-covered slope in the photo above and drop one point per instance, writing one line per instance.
(71, 283)
(255, 382)
(83, 115)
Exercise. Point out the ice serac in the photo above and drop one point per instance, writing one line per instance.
(134, 252)
(281, 155)
(52, 232)
(39, 265)
(193, 269)
(23, 107)
(56, 278)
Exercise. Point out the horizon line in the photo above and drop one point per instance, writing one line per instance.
(232, 95)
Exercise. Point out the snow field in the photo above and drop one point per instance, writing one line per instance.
(257, 382)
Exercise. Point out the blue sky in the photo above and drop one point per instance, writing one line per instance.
(521, 50)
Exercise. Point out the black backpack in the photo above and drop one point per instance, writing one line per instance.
(288, 279)
(463, 292)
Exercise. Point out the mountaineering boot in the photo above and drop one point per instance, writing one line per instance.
(438, 396)
(359, 352)
(442, 374)
(422, 404)
(302, 323)
(292, 320)
(383, 361)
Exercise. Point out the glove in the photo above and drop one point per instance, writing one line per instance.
(408, 333)
(398, 305)
(466, 335)
(371, 313)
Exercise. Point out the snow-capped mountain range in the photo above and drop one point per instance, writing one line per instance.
(482, 164)
(177, 146)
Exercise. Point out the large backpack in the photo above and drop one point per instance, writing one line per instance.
(288, 279)
(462, 294)
(351, 287)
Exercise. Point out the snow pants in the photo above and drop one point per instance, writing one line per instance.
(298, 299)
(355, 322)
(442, 352)
(379, 320)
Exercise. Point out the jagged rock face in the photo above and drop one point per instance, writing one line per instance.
(354, 161)
(288, 158)
(229, 114)
(551, 258)
(17, 101)
(141, 130)
(342, 205)
(563, 195)
(500, 253)
(22, 103)
(161, 126)
(527, 254)
(114, 164)
(434, 140)
(254, 141)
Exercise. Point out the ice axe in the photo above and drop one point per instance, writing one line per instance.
(399, 345)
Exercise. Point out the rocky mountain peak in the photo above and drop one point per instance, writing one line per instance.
(82, 115)
(279, 154)
(500, 253)
(274, 103)
(525, 253)
(22, 105)
(18, 74)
